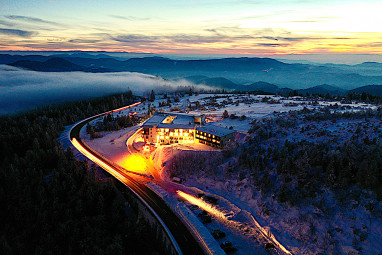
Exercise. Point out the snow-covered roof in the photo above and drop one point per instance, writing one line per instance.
(176, 126)
(154, 120)
(215, 130)
(163, 120)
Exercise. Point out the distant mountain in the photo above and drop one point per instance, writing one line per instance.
(261, 86)
(195, 78)
(375, 90)
(323, 90)
(7, 58)
(53, 65)
(285, 91)
(219, 82)
(370, 64)
(237, 70)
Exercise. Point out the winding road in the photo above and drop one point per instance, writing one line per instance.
(184, 240)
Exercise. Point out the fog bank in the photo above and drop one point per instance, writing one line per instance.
(22, 90)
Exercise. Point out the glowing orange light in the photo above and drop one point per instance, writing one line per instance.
(205, 206)
(134, 163)
(215, 212)
(96, 160)
(139, 139)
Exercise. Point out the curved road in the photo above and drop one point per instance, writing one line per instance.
(187, 243)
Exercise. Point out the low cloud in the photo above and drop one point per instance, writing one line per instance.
(177, 38)
(6, 23)
(22, 90)
(31, 19)
(129, 18)
(17, 32)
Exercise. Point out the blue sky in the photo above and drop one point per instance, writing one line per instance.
(193, 27)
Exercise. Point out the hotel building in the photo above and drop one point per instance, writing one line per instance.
(170, 128)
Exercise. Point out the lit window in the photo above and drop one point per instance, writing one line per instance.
(213, 136)
(162, 129)
(171, 133)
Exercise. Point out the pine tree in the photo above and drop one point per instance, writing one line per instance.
(225, 114)
(152, 96)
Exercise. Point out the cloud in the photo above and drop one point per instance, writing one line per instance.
(129, 18)
(269, 44)
(83, 41)
(31, 19)
(6, 23)
(177, 39)
(17, 32)
(134, 38)
(21, 89)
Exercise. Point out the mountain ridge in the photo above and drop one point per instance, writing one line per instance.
(242, 70)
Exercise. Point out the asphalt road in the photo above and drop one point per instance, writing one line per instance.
(187, 243)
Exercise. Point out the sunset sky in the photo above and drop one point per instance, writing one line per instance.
(193, 27)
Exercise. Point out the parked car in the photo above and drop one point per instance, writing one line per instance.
(269, 246)
(217, 233)
(227, 247)
(206, 219)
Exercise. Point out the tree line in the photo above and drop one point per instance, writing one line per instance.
(296, 171)
(52, 203)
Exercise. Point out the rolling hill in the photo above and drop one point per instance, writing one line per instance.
(323, 90)
(54, 65)
(227, 73)
(375, 90)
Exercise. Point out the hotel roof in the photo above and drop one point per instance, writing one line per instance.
(163, 120)
(154, 120)
(215, 130)
(183, 121)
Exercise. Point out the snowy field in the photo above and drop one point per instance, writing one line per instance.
(348, 226)
(253, 107)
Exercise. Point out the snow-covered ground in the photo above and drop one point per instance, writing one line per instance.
(253, 107)
(302, 230)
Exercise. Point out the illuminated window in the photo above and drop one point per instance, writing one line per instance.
(213, 136)
(167, 130)
(166, 137)
(171, 133)
(162, 129)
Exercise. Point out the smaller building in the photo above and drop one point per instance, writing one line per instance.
(213, 135)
